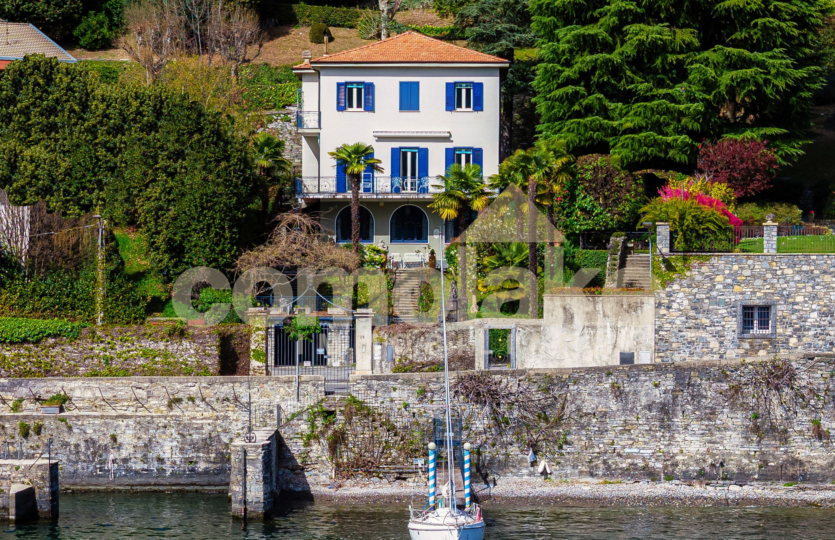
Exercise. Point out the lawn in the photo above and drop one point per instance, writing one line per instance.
(791, 244)
(138, 269)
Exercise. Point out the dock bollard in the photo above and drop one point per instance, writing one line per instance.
(432, 474)
(467, 474)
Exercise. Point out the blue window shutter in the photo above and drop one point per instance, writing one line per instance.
(478, 96)
(449, 155)
(341, 183)
(340, 96)
(367, 184)
(395, 162)
(405, 98)
(423, 162)
(415, 95)
(450, 96)
(478, 160)
(369, 96)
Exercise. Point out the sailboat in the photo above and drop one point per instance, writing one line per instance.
(441, 519)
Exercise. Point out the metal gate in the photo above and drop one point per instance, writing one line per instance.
(499, 348)
(329, 353)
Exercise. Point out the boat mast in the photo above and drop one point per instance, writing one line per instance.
(450, 462)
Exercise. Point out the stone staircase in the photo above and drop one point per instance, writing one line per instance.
(635, 274)
(405, 296)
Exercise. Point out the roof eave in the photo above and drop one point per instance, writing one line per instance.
(411, 64)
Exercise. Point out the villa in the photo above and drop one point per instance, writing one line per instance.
(423, 104)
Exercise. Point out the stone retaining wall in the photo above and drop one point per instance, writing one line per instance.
(695, 420)
(132, 350)
(697, 315)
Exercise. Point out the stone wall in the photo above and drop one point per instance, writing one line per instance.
(146, 431)
(692, 420)
(420, 346)
(125, 351)
(283, 126)
(697, 314)
(686, 421)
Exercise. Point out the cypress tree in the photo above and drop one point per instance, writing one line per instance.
(648, 80)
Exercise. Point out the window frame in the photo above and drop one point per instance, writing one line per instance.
(463, 86)
(355, 86)
(372, 226)
(463, 150)
(742, 333)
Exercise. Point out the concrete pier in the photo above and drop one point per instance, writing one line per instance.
(252, 485)
(30, 489)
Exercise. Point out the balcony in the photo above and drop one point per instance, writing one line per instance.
(376, 186)
(309, 121)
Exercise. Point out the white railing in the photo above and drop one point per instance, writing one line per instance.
(313, 185)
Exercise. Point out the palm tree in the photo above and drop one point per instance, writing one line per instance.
(463, 189)
(356, 158)
(539, 171)
(267, 153)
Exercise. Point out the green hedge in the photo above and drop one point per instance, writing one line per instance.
(441, 32)
(266, 98)
(307, 15)
(19, 330)
(588, 258)
(111, 71)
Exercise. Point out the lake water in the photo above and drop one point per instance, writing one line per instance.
(206, 517)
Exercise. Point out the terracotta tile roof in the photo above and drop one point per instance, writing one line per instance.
(407, 48)
(19, 39)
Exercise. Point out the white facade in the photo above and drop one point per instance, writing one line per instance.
(420, 117)
(384, 127)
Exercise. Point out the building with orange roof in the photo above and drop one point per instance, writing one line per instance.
(18, 40)
(423, 104)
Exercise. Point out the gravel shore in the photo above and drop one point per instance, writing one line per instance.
(594, 492)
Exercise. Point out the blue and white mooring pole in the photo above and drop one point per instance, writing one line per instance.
(467, 474)
(432, 474)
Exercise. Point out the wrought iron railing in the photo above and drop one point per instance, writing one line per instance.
(805, 239)
(309, 120)
(331, 185)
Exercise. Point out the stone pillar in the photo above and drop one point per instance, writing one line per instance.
(364, 319)
(23, 505)
(252, 482)
(39, 475)
(257, 318)
(769, 237)
(662, 237)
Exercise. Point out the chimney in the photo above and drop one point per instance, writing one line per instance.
(306, 56)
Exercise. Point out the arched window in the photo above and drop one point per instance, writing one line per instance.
(409, 224)
(343, 225)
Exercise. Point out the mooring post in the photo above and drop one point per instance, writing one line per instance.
(252, 484)
(432, 477)
(467, 474)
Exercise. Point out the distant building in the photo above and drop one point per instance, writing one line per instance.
(20, 39)
(423, 104)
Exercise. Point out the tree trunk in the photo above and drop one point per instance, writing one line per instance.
(532, 215)
(550, 209)
(355, 213)
(463, 299)
(384, 19)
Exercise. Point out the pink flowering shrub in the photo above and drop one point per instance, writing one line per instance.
(669, 192)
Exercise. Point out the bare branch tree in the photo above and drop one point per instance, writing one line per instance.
(155, 33)
(197, 15)
(235, 31)
(14, 228)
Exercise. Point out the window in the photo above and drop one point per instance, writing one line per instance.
(409, 224)
(355, 97)
(464, 156)
(757, 320)
(343, 225)
(463, 96)
(409, 162)
(409, 96)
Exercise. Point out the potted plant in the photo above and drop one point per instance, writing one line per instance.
(432, 258)
(53, 404)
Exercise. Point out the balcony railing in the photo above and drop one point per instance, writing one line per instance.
(309, 120)
(331, 185)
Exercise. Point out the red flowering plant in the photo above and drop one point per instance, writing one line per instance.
(668, 192)
(745, 165)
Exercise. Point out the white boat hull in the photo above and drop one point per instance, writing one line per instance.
(433, 531)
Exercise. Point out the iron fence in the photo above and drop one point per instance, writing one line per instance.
(805, 239)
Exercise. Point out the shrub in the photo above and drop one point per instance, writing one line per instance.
(308, 15)
(600, 196)
(23, 430)
(368, 27)
(95, 31)
(693, 223)
(755, 213)
(55, 400)
(19, 330)
(318, 32)
(746, 165)
(54, 17)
